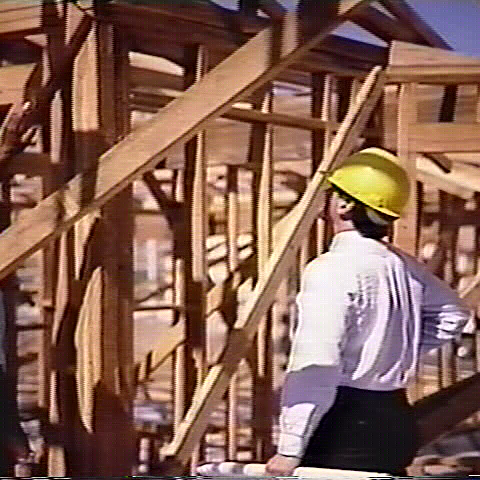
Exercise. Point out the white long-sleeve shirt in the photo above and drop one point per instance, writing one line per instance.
(366, 313)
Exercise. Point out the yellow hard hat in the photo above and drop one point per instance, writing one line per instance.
(374, 178)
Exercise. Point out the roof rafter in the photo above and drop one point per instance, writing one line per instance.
(407, 15)
(383, 26)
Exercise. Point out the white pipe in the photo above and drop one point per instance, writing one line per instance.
(234, 469)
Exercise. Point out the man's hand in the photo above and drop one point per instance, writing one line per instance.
(281, 466)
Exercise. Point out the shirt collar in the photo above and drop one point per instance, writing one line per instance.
(352, 240)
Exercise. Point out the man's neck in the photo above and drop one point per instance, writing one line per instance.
(344, 226)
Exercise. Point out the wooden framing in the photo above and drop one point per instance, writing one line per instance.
(235, 211)
(217, 379)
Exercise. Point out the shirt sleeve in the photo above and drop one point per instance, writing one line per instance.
(314, 367)
(444, 314)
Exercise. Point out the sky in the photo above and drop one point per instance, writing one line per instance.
(457, 21)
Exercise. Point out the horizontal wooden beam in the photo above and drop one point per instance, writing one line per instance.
(236, 113)
(160, 97)
(406, 54)
(409, 62)
(347, 47)
(445, 137)
(440, 75)
(20, 18)
(279, 119)
(147, 77)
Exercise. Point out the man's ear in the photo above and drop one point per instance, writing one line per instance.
(346, 209)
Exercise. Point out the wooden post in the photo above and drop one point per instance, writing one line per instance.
(195, 182)
(55, 140)
(260, 157)
(407, 227)
(448, 236)
(179, 358)
(322, 97)
(60, 283)
(344, 95)
(95, 321)
(232, 204)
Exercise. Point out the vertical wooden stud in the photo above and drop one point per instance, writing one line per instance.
(322, 99)
(261, 160)
(179, 367)
(448, 236)
(196, 217)
(232, 203)
(406, 228)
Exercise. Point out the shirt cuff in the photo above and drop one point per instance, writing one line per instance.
(290, 445)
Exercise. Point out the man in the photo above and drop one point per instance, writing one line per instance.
(366, 313)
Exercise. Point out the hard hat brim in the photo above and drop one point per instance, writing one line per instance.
(383, 210)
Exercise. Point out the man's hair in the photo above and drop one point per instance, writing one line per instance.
(362, 221)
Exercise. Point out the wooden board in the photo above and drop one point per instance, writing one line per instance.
(242, 73)
(19, 18)
(411, 62)
(409, 54)
(442, 75)
(234, 469)
(445, 137)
